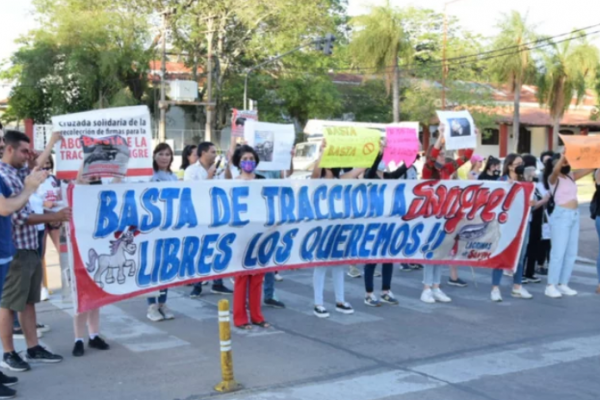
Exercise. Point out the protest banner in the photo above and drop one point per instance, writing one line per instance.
(272, 142)
(460, 129)
(238, 120)
(401, 143)
(128, 240)
(110, 141)
(350, 147)
(582, 151)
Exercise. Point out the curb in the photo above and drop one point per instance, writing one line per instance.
(584, 260)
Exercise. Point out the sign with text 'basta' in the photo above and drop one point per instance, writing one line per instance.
(128, 240)
(350, 147)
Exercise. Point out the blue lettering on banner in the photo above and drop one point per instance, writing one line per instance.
(152, 220)
(221, 213)
(107, 219)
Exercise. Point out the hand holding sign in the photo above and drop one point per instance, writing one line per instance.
(402, 144)
(583, 152)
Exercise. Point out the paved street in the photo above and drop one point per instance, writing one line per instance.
(469, 349)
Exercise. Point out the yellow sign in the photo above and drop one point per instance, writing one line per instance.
(582, 152)
(350, 147)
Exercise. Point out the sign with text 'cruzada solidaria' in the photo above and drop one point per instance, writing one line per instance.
(128, 240)
(107, 142)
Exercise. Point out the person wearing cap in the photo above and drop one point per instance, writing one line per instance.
(476, 165)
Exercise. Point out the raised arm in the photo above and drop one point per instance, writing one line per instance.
(317, 167)
(10, 205)
(581, 173)
(553, 178)
(55, 138)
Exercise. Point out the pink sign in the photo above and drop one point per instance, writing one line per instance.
(402, 144)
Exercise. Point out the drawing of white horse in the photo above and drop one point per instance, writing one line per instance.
(107, 263)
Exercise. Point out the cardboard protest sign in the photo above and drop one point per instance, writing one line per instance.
(109, 142)
(460, 129)
(126, 241)
(582, 152)
(402, 143)
(238, 120)
(272, 142)
(350, 147)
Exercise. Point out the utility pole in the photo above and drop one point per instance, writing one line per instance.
(444, 64)
(162, 105)
(209, 108)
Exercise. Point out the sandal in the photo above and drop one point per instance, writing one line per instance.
(245, 327)
(263, 324)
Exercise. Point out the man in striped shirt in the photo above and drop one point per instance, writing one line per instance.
(21, 289)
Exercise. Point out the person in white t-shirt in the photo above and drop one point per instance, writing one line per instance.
(206, 168)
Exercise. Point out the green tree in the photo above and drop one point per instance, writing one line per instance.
(378, 43)
(517, 67)
(567, 68)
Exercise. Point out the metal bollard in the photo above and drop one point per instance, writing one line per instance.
(228, 384)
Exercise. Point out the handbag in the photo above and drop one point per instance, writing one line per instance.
(546, 226)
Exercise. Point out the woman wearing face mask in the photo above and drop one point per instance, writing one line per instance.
(513, 171)
(564, 224)
(163, 158)
(248, 288)
(188, 157)
(436, 167)
(337, 273)
(492, 170)
(476, 165)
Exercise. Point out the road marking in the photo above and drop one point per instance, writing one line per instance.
(439, 374)
(129, 332)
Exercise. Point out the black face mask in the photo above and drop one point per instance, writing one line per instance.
(565, 170)
(496, 173)
(520, 170)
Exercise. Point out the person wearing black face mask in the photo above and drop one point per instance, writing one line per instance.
(492, 170)
(564, 224)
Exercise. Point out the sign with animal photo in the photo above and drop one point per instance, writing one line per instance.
(459, 131)
(273, 144)
(130, 240)
(111, 142)
(238, 121)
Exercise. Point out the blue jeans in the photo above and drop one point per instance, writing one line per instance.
(518, 275)
(386, 270)
(564, 234)
(598, 260)
(162, 299)
(432, 274)
(269, 286)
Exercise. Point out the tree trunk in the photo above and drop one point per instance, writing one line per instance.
(396, 92)
(517, 116)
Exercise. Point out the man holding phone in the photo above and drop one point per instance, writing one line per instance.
(206, 168)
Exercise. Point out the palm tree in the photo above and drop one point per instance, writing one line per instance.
(567, 68)
(516, 68)
(378, 43)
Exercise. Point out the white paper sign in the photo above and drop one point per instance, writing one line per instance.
(272, 142)
(460, 129)
(114, 136)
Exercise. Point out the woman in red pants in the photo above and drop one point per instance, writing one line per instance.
(248, 288)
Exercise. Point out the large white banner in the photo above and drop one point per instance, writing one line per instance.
(132, 239)
(114, 140)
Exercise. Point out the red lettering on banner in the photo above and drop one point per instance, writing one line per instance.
(70, 155)
(70, 143)
(456, 203)
(139, 153)
(479, 255)
(112, 140)
(136, 142)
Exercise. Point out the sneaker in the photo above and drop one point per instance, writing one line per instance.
(371, 301)
(521, 293)
(221, 289)
(566, 290)
(78, 349)
(405, 268)
(40, 354)
(344, 308)
(43, 328)
(354, 274)
(508, 272)
(18, 333)
(274, 303)
(45, 296)
(278, 277)
(8, 380)
(427, 296)
(377, 274)
(533, 279)
(165, 311)
(14, 362)
(321, 312)
(496, 296)
(196, 292)
(525, 281)
(154, 313)
(98, 343)
(416, 266)
(6, 392)
(543, 271)
(389, 298)
(552, 292)
(457, 282)
(440, 296)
